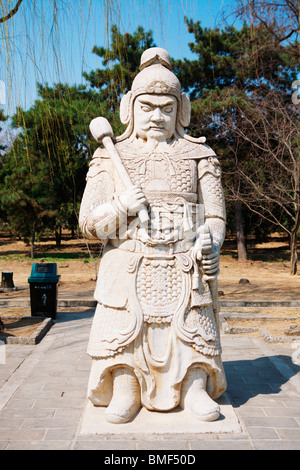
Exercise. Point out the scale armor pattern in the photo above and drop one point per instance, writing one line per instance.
(159, 285)
(210, 189)
(203, 319)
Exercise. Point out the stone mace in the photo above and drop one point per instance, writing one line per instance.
(102, 132)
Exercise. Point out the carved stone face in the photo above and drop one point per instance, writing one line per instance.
(155, 117)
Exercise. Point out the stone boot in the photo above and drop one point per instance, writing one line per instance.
(194, 397)
(126, 399)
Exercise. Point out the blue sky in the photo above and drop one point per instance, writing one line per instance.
(44, 50)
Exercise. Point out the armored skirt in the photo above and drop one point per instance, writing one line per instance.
(157, 325)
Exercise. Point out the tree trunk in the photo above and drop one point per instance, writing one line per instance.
(294, 254)
(58, 237)
(7, 280)
(32, 241)
(293, 236)
(240, 234)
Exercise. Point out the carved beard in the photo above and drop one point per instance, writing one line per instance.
(153, 145)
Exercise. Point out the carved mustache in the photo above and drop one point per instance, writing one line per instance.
(154, 126)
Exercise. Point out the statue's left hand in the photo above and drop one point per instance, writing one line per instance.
(210, 262)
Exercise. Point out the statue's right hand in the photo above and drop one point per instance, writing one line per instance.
(133, 199)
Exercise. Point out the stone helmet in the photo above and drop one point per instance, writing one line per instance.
(155, 77)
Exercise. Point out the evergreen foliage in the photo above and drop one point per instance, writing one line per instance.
(121, 64)
(240, 88)
(42, 177)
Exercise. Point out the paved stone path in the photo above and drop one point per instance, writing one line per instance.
(43, 396)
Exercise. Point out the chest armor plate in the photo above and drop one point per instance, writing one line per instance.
(161, 172)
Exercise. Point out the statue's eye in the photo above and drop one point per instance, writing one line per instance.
(168, 109)
(145, 108)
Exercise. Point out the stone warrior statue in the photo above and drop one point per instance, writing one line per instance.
(155, 338)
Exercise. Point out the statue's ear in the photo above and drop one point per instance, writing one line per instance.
(185, 110)
(125, 108)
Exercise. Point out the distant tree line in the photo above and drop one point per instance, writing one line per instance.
(240, 86)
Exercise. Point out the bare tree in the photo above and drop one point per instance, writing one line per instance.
(268, 137)
(279, 17)
(265, 123)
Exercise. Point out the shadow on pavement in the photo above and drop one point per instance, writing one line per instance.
(72, 315)
(248, 378)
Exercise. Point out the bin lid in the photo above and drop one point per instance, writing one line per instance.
(43, 272)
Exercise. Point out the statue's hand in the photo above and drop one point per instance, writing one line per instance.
(210, 262)
(133, 199)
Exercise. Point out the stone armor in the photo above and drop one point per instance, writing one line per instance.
(155, 310)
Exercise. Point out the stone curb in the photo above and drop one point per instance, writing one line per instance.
(259, 303)
(231, 330)
(60, 303)
(35, 338)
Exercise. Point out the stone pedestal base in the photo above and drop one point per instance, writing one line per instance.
(177, 421)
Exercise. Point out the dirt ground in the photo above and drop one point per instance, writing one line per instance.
(20, 327)
(267, 269)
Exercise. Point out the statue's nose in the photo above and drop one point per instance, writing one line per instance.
(157, 115)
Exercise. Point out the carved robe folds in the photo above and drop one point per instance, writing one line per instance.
(155, 312)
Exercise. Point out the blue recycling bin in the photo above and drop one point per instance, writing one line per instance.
(43, 290)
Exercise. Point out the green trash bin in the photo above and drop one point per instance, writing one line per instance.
(43, 290)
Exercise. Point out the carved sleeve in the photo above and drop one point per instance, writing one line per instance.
(100, 207)
(211, 195)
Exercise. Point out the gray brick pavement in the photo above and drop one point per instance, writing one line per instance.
(43, 395)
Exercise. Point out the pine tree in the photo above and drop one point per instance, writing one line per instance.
(121, 62)
(43, 176)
